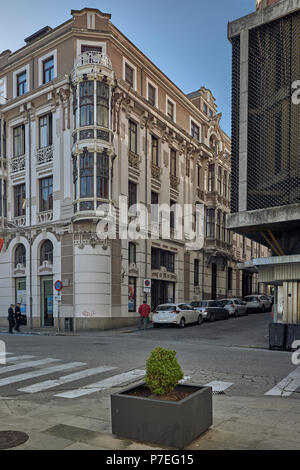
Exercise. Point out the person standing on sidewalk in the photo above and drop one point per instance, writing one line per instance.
(144, 311)
(18, 317)
(11, 318)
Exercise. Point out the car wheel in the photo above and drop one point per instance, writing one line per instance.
(212, 317)
(200, 320)
(156, 325)
(182, 323)
(263, 309)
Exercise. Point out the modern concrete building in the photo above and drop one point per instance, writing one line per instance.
(265, 201)
(86, 118)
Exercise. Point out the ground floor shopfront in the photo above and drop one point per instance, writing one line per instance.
(103, 283)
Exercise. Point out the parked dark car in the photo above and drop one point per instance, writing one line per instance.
(211, 310)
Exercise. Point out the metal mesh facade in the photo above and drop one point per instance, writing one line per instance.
(273, 177)
(235, 130)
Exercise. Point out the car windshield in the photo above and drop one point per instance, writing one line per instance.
(250, 299)
(199, 304)
(165, 308)
(229, 302)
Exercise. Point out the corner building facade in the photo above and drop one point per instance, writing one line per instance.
(85, 118)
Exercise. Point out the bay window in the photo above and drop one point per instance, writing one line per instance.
(87, 103)
(87, 175)
(102, 104)
(102, 169)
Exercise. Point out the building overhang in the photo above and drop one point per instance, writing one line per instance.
(253, 223)
(275, 269)
(263, 16)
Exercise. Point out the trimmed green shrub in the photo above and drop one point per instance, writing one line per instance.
(162, 371)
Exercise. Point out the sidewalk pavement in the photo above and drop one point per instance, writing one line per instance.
(49, 331)
(240, 423)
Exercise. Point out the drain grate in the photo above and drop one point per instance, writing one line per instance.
(9, 439)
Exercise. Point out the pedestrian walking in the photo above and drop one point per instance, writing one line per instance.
(18, 317)
(144, 311)
(11, 318)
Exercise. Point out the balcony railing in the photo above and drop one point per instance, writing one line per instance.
(17, 163)
(44, 155)
(134, 160)
(93, 58)
(44, 217)
(20, 221)
(155, 171)
(174, 182)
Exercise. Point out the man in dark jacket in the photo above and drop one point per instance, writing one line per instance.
(144, 311)
(18, 317)
(11, 318)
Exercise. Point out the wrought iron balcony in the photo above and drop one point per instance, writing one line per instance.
(93, 58)
(44, 155)
(17, 163)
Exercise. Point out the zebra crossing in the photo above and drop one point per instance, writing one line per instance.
(20, 369)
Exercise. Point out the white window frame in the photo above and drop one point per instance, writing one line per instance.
(82, 42)
(149, 82)
(197, 124)
(41, 61)
(25, 68)
(3, 95)
(174, 103)
(126, 61)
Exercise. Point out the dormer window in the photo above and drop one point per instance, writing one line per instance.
(21, 83)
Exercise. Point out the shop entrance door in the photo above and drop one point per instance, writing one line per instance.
(162, 292)
(47, 301)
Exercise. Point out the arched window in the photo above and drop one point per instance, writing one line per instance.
(20, 255)
(46, 252)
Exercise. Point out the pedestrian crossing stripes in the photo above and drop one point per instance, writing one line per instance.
(104, 384)
(39, 387)
(27, 365)
(39, 373)
(287, 386)
(18, 358)
(39, 367)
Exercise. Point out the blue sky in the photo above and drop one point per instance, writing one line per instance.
(187, 40)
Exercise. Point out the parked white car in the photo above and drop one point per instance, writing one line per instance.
(258, 303)
(235, 307)
(178, 314)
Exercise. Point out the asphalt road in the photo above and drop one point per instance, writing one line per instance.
(235, 351)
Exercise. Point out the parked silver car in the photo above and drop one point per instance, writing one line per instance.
(257, 303)
(235, 307)
(178, 314)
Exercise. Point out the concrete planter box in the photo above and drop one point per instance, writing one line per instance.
(277, 336)
(167, 423)
(293, 334)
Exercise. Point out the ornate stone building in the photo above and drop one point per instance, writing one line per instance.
(85, 118)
